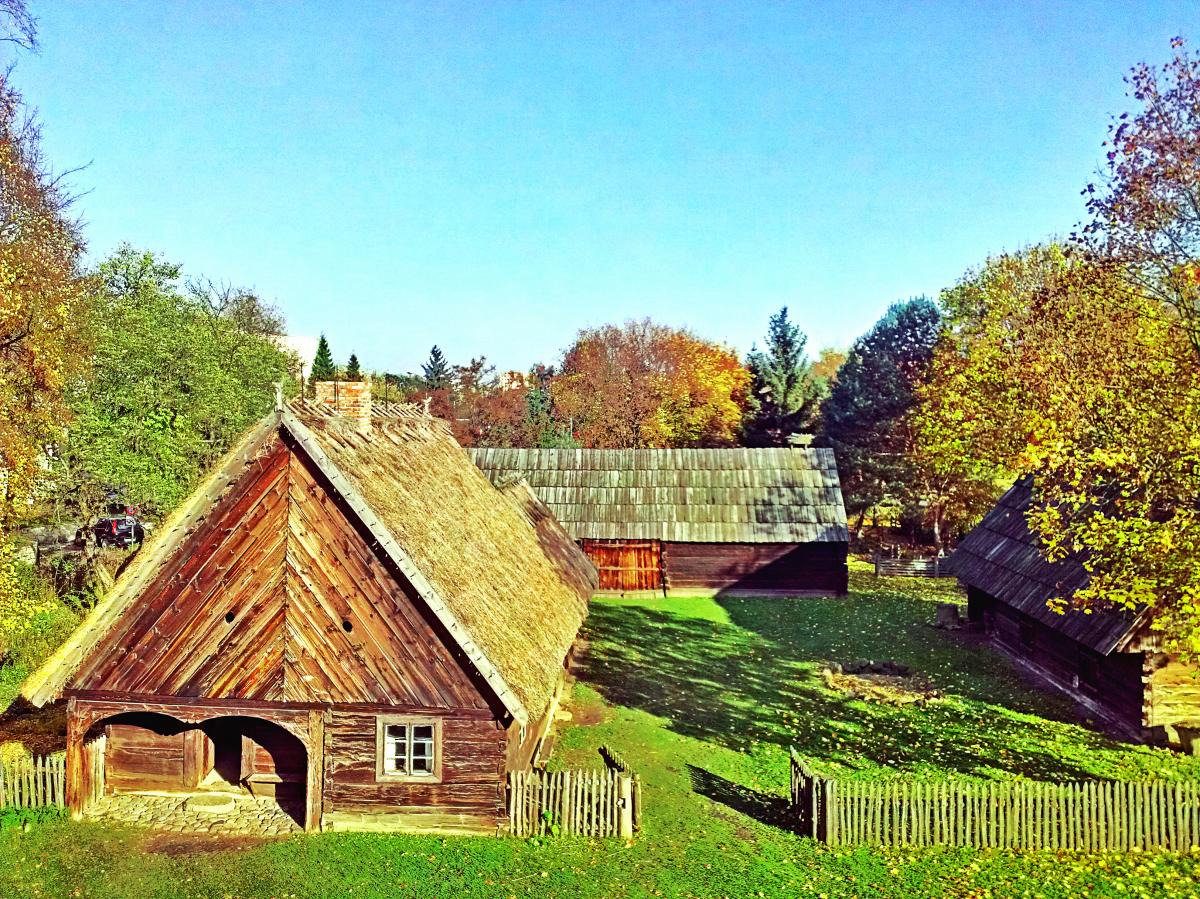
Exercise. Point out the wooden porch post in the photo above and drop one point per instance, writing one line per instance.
(314, 782)
(75, 761)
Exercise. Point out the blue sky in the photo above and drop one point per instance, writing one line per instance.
(491, 177)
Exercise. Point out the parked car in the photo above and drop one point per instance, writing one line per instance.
(121, 527)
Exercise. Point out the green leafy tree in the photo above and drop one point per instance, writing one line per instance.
(323, 368)
(353, 371)
(784, 393)
(436, 371)
(866, 417)
(178, 374)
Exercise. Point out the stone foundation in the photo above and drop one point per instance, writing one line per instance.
(250, 815)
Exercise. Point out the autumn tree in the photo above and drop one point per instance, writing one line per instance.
(866, 417)
(45, 307)
(784, 393)
(323, 368)
(1116, 447)
(643, 384)
(1146, 212)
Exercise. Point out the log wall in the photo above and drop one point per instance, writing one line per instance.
(1111, 685)
(1173, 699)
(469, 797)
(756, 567)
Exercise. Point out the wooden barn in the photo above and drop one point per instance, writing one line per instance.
(754, 521)
(1109, 660)
(346, 615)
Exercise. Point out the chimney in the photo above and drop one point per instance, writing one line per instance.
(349, 398)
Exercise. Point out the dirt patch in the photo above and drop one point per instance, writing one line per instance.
(588, 714)
(176, 844)
(883, 682)
(40, 731)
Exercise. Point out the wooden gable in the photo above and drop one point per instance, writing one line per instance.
(278, 596)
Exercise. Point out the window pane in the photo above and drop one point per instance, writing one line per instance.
(395, 750)
(422, 749)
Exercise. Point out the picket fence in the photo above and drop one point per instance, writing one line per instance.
(34, 782)
(597, 803)
(1087, 816)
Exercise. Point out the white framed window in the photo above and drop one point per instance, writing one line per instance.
(408, 748)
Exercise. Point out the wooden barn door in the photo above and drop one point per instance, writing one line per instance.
(626, 565)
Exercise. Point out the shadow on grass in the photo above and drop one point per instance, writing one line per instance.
(759, 682)
(766, 808)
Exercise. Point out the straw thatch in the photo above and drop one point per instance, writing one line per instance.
(573, 564)
(686, 495)
(470, 552)
(1003, 558)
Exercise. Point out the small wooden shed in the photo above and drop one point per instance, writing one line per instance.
(347, 611)
(1108, 660)
(751, 521)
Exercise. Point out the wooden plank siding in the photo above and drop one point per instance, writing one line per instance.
(756, 567)
(1109, 685)
(281, 598)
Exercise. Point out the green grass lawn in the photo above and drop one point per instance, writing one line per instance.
(702, 697)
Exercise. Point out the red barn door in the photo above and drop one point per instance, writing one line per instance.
(626, 565)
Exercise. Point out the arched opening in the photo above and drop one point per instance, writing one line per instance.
(248, 769)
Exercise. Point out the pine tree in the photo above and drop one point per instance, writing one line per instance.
(784, 389)
(436, 371)
(323, 368)
(353, 372)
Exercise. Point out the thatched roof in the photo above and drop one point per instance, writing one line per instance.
(686, 495)
(573, 564)
(1003, 558)
(468, 550)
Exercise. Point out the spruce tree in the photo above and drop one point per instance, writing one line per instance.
(785, 393)
(353, 372)
(323, 368)
(436, 371)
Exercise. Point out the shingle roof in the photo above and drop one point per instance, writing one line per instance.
(686, 495)
(1002, 557)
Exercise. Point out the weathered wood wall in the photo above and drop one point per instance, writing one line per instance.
(280, 598)
(626, 566)
(469, 798)
(138, 757)
(1172, 698)
(750, 567)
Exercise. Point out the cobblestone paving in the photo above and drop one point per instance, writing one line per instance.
(259, 817)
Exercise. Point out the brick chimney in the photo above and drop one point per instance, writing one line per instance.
(349, 398)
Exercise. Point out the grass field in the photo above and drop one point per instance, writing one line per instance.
(703, 697)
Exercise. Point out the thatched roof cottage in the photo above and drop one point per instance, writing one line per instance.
(346, 614)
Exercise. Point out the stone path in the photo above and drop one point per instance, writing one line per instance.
(250, 815)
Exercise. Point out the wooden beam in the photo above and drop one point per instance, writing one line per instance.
(314, 782)
(75, 761)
